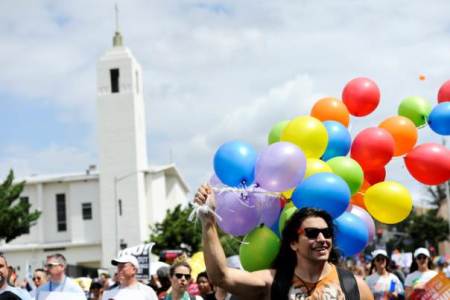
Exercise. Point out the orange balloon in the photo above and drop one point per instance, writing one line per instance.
(403, 131)
(358, 198)
(331, 109)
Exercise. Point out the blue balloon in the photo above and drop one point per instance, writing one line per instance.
(325, 191)
(234, 163)
(339, 140)
(351, 234)
(439, 118)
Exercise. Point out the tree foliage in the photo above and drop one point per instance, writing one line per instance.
(177, 232)
(15, 216)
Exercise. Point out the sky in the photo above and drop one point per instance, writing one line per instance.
(214, 71)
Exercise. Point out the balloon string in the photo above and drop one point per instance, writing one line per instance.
(200, 211)
(245, 190)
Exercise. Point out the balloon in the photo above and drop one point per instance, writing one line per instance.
(234, 163)
(416, 109)
(349, 170)
(325, 191)
(439, 118)
(364, 215)
(279, 167)
(388, 202)
(285, 215)
(375, 175)
(339, 140)
(352, 234)
(444, 92)
(287, 194)
(404, 132)
(331, 109)
(429, 163)
(358, 198)
(314, 166)
(239, 214)
(275, 132)
(308, 133)
(268, 207)
(373, 148)
(259, 249)
(361, 96)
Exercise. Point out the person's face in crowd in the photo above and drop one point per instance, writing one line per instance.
(125, 271)
(380, 262)
(96, 293)
(39, 278)
(422, 260)
(181, 278)
(314, 240)
(3, 272)
(203, 285)
(54, 268)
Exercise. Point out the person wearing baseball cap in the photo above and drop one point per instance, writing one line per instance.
(129, 287)
(383, 283)
(420, 273)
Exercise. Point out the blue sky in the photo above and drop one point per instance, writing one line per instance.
(213, 71)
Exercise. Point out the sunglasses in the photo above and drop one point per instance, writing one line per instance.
(312, 233)
(421, 257)
(180, 275)
(51, 265)
(36, 278)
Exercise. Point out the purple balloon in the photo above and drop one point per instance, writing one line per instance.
(364, 215)
(268, 207)
(280, 167)
(239, 214)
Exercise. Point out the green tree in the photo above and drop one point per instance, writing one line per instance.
(15, 216)
(176, 231)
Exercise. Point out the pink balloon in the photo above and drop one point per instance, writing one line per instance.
(364, 215)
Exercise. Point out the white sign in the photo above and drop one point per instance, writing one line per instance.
(142, 253)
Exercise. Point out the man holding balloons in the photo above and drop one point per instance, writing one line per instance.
(304, 268)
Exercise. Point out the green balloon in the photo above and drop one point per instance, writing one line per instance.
(349, 170)
(416, 109)
(285, 215)
(275, 132)
(259, 249)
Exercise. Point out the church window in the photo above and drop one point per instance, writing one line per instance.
(61, 216)
(115, 76)
(27, 201)
(86, 209)
(120, 207)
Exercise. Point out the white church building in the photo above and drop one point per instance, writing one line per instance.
(89, 216)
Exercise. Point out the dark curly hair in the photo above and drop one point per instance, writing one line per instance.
(286, 259)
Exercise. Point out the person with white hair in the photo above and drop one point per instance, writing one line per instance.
(129, 287)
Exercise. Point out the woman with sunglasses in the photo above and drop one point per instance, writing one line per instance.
(383, 283)
(420, 274)
(305, 267)
(180, 278)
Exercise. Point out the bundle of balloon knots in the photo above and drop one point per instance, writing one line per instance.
(311, 161)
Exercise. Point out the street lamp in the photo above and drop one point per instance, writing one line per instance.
(118, 179)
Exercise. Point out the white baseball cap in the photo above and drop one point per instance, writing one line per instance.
(126, 258)
(423, 251)
(379, 252)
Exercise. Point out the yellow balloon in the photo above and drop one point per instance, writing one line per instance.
(388, 202)
(288, 194)
(314, 166)
(197, 263)
(308, 133)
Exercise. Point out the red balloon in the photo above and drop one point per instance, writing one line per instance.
(373, 148)
(361, 96)
(444, 92)
(375, 176)
(429, 163)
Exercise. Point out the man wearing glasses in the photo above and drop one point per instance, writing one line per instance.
(7, 291)
(305, 267)
(39, 279)
(129, 287)
(58, 282)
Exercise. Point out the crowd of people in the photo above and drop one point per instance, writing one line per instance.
(307, 267)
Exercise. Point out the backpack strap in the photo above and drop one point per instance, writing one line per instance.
(348, 284)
